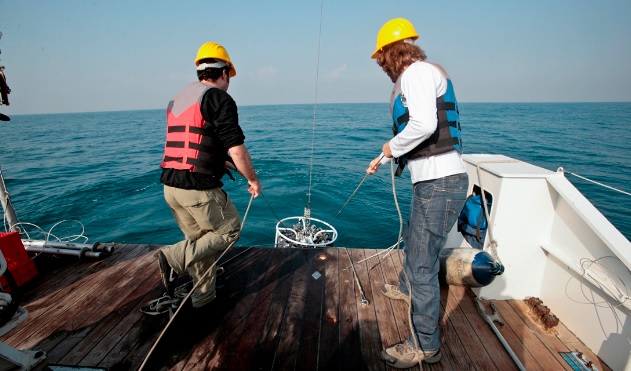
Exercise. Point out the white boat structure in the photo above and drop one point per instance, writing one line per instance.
(556, 246)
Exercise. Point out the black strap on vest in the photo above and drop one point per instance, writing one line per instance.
(446, 106)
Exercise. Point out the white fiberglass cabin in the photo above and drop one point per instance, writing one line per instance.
(555, 245)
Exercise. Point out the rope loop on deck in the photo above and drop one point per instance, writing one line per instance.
(166, 303)
(161, 305)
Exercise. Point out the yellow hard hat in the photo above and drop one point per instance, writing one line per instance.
(392, 31)
(216, 51)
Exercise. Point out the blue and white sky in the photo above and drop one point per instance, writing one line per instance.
(96, 55)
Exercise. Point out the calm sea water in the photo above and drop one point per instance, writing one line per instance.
(101, 169)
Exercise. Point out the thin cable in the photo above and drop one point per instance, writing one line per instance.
(388, 251)
(193, 289)
(271, 209)
(384, 251)
(349, 199)
(595, 182)
(315, 104)
(353, 194)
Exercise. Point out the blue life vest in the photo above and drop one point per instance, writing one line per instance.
(447, 136)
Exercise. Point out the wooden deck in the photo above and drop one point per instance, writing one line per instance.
(277, 309)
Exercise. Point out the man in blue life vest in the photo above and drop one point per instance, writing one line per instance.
(203, 139)
(427, 139)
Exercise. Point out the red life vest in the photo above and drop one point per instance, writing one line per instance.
(191, 142)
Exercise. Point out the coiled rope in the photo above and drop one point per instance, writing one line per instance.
(614, 291)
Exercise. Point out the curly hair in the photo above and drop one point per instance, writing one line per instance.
(211, 74)
(395, 58)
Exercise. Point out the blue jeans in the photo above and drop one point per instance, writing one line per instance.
(435, 208)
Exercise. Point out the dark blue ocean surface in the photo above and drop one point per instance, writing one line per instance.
(101, 169)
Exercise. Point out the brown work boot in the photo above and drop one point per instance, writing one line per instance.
(167, 273)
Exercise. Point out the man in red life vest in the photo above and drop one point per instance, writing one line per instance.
(203, 138)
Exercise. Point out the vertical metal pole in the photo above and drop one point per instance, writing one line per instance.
(9, 213)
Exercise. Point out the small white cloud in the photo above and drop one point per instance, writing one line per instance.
(337, 73)
(265, 73)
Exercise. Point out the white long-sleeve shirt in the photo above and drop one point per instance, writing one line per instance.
(420, 84)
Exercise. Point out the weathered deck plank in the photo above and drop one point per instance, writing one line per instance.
(276, 291)
(255, 325)
(291, 329)
(491, 343)
(385, 316)
(366, 311)
(70, 290)
(277, 309)
(327, 353)
(229, 330)
(467, 335)
(557, 340)
(94, 315)
(554, 345)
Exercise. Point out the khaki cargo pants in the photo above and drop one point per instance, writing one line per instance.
(210, 223)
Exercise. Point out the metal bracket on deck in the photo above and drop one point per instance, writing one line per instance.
(14, 359)
(496, 317)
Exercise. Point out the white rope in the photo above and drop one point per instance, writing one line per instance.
(595, 182)
(492, 242)
(49, 235)
(407, 279)
(622, 295)
(386, 251)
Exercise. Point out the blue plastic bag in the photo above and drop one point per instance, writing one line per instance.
(472, 220)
